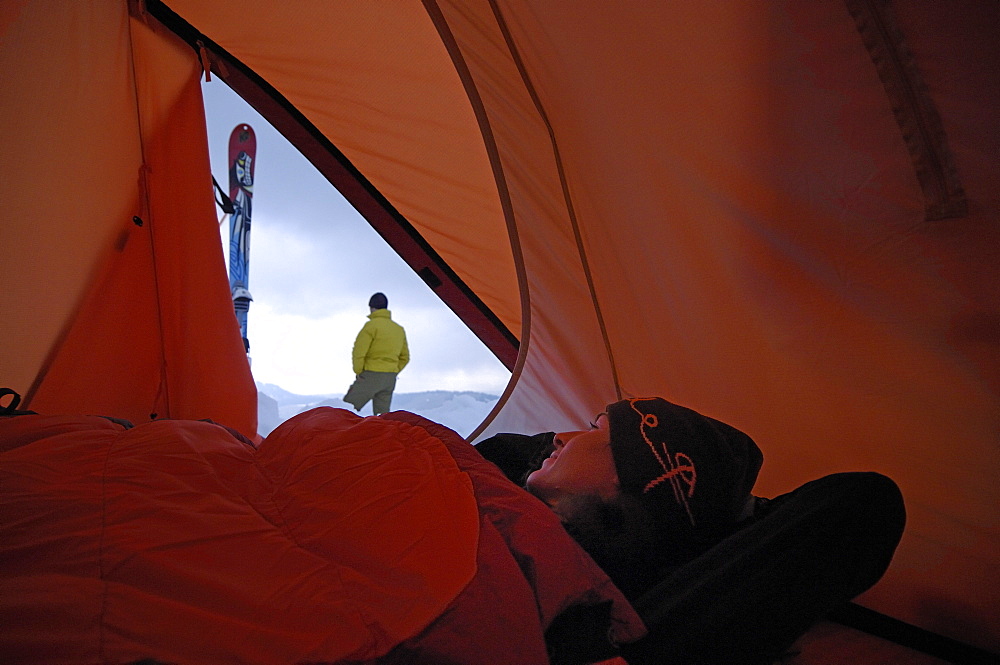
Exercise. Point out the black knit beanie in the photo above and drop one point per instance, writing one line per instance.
(692, 472)
(378, 301)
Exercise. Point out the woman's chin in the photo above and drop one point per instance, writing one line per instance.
(535, 482)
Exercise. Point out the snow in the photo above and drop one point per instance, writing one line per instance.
(461, 411)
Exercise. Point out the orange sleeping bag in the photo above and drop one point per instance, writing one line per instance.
(338, 539)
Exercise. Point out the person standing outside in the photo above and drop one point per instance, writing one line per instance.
(380, 353)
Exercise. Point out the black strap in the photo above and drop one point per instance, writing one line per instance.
(10, 409)
(224, 201)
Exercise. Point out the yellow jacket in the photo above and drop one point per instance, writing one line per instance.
(381, 345)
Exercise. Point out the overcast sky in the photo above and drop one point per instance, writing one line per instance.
(314, 262)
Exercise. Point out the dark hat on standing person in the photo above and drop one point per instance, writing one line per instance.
(378, 301)
(692, 472)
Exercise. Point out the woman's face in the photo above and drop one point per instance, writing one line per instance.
(581, 464)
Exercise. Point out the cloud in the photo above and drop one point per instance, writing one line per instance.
(301, 354)
(326, 267)
(313, 355)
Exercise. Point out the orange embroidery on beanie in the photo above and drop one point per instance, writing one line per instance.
(678, 468)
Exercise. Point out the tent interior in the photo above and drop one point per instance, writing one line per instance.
(783, 214)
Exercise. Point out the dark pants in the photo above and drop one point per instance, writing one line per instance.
(747, 599)
(374, 386)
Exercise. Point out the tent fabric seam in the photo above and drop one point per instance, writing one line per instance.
(915, 112)
(564, 184)
(162, 397)
(489, 143)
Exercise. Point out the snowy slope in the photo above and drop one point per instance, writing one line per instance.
(461, 411)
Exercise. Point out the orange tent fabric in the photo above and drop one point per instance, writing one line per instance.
(116, 298)
(782, 214)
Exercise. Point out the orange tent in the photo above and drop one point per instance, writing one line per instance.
(783, 214)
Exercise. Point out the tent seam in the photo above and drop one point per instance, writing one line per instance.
(503, 192)
(564, 183)
(915, 112)
(138, 11)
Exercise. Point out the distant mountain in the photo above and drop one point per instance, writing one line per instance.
(436, 399)
(283, 397)
(461, 411)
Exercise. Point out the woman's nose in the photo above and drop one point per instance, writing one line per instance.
(562, 438)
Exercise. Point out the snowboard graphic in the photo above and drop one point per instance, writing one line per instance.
(242, 154)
